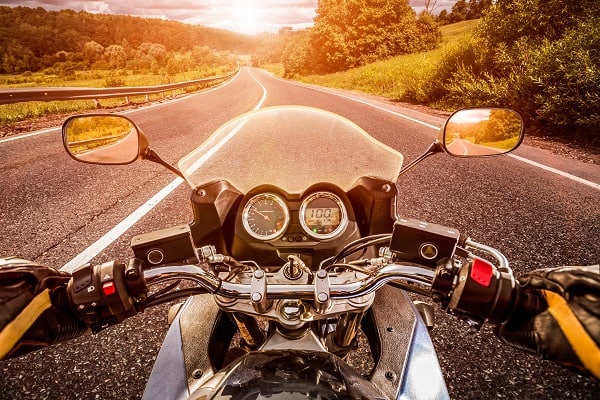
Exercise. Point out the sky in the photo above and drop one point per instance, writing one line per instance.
(245, 16)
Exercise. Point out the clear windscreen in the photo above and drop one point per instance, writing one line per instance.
(290, 147)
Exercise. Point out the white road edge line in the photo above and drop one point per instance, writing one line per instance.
(26, 135)
(95, 248)
(557, 171)
(306, 86)
(525, 160)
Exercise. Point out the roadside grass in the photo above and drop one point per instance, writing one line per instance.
(275, 69)
(12, 113)
(402, 78)
(504, 144)
(101, 78)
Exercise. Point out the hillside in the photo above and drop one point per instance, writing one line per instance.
(34, 39)
(402, 78)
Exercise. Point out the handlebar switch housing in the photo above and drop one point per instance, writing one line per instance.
(478, 292)
(422, 242)
(102, 295)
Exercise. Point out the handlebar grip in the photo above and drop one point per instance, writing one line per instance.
(62, 326)
(54, 325)
(528, 303)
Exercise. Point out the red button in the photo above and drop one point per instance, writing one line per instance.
(482, 272)
(109, 288)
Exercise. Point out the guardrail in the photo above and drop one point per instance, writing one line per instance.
(19, 95)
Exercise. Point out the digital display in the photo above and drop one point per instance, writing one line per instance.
(322, 220)
(323, 215)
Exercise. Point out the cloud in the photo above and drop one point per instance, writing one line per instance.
(437, 5)
(244, 16)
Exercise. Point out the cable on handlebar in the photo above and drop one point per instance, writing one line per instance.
(349, 266)
(410, 288)
(361, 244)
(166, 297)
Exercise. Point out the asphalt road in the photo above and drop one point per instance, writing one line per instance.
(52, 208)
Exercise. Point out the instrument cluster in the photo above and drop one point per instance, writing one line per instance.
(321, 216)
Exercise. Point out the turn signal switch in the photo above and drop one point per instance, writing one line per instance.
(106, 294)
(477, 292)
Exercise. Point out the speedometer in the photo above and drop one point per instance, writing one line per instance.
(265, 216)
(323, 215)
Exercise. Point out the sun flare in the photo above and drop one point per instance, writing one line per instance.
(249, 16)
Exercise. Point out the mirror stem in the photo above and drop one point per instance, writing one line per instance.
(435, 148)
(151, 155)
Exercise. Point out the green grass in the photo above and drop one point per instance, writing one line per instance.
(99, 79)
(275, 69)
(402, 78)
(457, 31)
(12, 113)
(507, 144)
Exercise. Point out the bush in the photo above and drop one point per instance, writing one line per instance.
(113, 80)
(567, 75)
(552, 80)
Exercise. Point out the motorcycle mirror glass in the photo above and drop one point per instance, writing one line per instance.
(101, 139)
(477, 132)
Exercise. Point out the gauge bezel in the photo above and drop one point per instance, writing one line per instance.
(253, 200)
(343, 217)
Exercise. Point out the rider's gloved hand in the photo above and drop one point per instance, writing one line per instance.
(34, 311)
(567, 331)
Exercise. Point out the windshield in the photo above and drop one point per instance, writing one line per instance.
(290, 147)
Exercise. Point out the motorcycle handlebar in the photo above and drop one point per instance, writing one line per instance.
(479, 292)
(406, 272)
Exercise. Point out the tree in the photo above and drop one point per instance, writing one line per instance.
(295, 57)
(541, 58)
(501, 126)
(41, 34)
(354, 32)
(477, 7)
(459, 11)
(152, 53)
(115, 55)
(430, 6)
(203, 56)
(442, 18)
(535, 20)
(92, 51)
(463, 10)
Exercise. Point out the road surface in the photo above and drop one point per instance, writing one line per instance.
(539, 209)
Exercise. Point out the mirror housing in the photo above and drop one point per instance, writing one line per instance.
(108, 139)
(103, 139)
(482, 132)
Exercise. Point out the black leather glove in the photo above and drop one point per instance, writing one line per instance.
(567, 331)
(34, 308)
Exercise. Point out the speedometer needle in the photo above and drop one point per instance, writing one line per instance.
(266, 217)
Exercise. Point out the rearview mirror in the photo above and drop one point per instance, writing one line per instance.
(477, 132)
(101, 139)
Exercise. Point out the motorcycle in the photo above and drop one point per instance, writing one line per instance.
(296, 260)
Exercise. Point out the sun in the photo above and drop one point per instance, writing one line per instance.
(249, 16)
